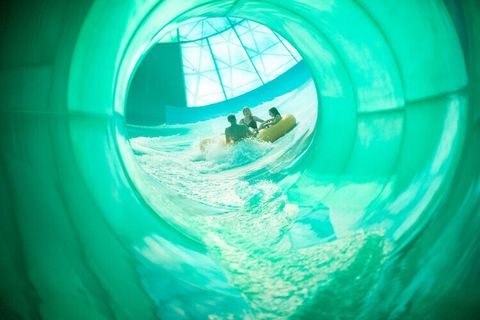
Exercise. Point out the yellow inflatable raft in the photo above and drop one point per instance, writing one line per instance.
(278, 130)
(269, 134)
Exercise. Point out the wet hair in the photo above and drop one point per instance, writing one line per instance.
(274, 111)
(232, 119)
(245, 109)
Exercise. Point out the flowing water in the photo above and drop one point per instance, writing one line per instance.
(280, 253)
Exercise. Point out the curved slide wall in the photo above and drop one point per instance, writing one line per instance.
(396, 145)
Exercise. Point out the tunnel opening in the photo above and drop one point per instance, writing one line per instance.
(217, 66)
(186, 83)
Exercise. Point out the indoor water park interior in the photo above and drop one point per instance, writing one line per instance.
(121, 198)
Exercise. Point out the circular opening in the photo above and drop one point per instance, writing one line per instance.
(184, 87)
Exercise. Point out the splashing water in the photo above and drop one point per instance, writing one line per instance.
(276, 251)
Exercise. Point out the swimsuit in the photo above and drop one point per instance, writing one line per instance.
(252, 124)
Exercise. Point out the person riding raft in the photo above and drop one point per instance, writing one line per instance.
(236, 132)
(250, 120)
(275, 118)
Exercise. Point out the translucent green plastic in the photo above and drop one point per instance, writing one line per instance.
(396, 146)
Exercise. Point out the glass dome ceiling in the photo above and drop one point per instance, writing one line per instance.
(227, 57)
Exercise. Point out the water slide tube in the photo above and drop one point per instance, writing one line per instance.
(396, 144)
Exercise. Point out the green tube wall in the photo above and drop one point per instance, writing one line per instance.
(397, 144)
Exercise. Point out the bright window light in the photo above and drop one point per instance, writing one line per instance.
(227, 57)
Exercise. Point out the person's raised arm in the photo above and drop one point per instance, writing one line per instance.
(265, 124)
(257, 119)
